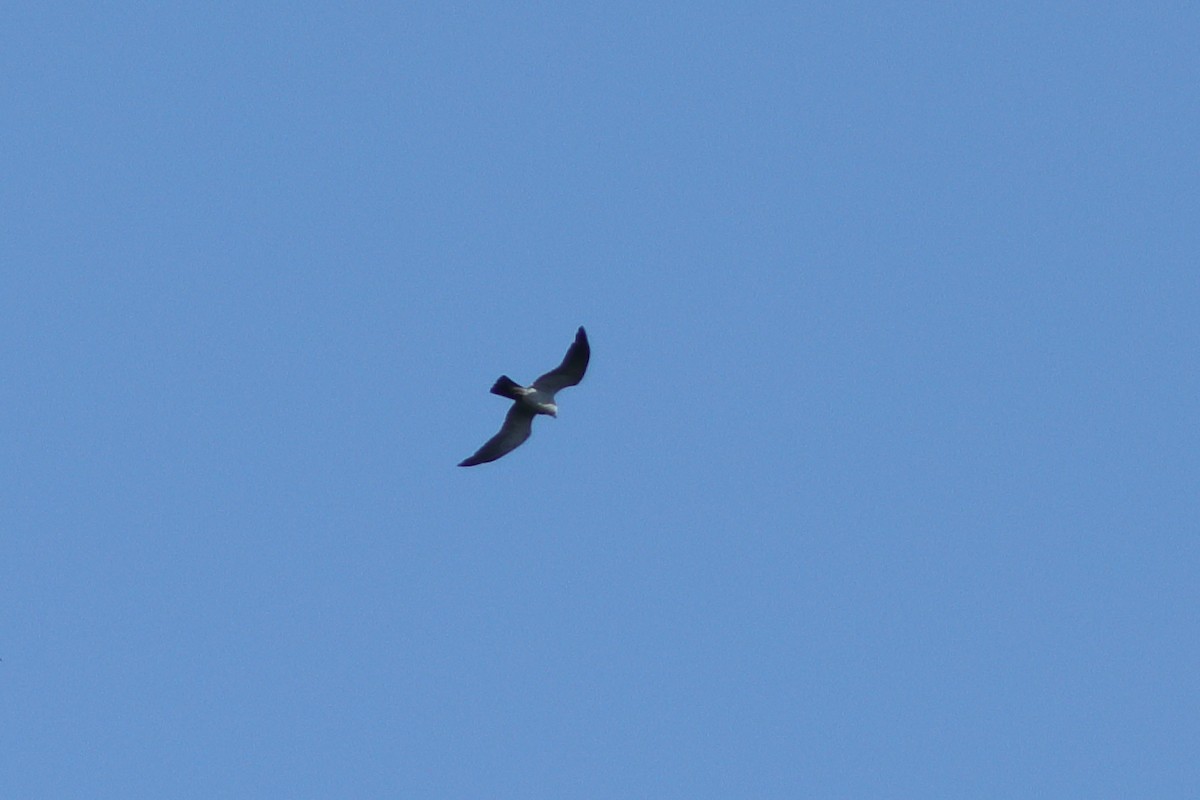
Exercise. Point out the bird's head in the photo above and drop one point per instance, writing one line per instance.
(551, 409)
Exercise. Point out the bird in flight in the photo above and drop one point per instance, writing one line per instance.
(529, 401)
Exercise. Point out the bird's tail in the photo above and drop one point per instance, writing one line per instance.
(507, 387)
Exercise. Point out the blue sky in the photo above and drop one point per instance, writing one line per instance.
(882, 481)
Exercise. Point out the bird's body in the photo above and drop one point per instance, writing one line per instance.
(531, 397)
(529, 401)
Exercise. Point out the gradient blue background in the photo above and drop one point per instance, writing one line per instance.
(882, 483)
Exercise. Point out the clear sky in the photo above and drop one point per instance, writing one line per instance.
(882, 482)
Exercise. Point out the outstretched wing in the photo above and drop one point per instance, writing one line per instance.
(518, 424)
(570, 371)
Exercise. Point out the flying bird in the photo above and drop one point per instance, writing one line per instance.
(529, 401)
